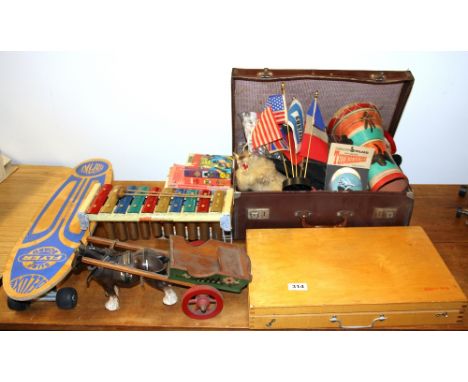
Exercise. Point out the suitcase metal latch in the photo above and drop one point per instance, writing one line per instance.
(258, 213)
(385, 213)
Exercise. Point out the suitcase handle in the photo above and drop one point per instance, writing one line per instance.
(343, 214)
(334, 319)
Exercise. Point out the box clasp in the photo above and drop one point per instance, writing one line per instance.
(258, 213)
(384, 213)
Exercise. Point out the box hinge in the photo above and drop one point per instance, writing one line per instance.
(378, 77)
(265, 73)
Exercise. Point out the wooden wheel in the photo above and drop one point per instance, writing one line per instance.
(202, 302)
(196, 243)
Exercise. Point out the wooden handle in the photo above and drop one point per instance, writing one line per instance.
(121, 245)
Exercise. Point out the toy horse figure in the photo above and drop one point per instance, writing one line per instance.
(145, 259)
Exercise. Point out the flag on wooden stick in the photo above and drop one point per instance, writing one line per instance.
(276, 103)
(279, 145)
(296, 123)
(315, 139)
(266, 130)
(291, 155)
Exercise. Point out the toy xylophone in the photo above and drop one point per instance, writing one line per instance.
(142, 212)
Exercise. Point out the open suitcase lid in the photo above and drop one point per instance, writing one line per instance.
(389, 90)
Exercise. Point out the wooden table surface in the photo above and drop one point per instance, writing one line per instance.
(24, 193)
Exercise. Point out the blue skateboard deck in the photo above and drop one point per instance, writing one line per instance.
(44, 256)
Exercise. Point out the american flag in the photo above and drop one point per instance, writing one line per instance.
(277, 105)
(266, 130)
(280, 145)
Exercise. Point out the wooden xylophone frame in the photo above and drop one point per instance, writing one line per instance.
(147, 225)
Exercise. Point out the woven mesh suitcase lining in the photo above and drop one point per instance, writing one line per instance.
(252, 95)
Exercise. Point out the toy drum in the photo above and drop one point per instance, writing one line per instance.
(389, 143)
(385, 175)
(362, 123)
(354, 117)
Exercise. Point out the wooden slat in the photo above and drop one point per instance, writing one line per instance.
(100, 199)
(138, 200)
(217, 202)
(203, 203)
(164, 201)
(120, 245)
(190, 202)
(124, 203)
(177, 201)
(151, 201)
(112, 200)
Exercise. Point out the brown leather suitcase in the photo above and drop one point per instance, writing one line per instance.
(389, 90)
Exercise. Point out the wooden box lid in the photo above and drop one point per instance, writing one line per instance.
(348, 270)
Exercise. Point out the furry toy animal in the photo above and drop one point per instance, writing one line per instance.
(257, 173)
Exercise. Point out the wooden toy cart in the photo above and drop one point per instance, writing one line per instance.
(205, 269)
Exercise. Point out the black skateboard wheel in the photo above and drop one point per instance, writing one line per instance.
(66, 298)
(17, 305)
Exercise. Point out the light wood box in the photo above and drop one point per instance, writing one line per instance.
(354, 278)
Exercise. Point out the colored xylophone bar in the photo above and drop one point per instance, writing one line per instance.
(142, 212)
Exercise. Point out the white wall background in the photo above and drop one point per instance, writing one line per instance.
(149, 104)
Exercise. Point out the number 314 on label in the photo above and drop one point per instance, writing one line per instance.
(298, 287)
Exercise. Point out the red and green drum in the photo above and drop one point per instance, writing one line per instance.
(361, 122)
